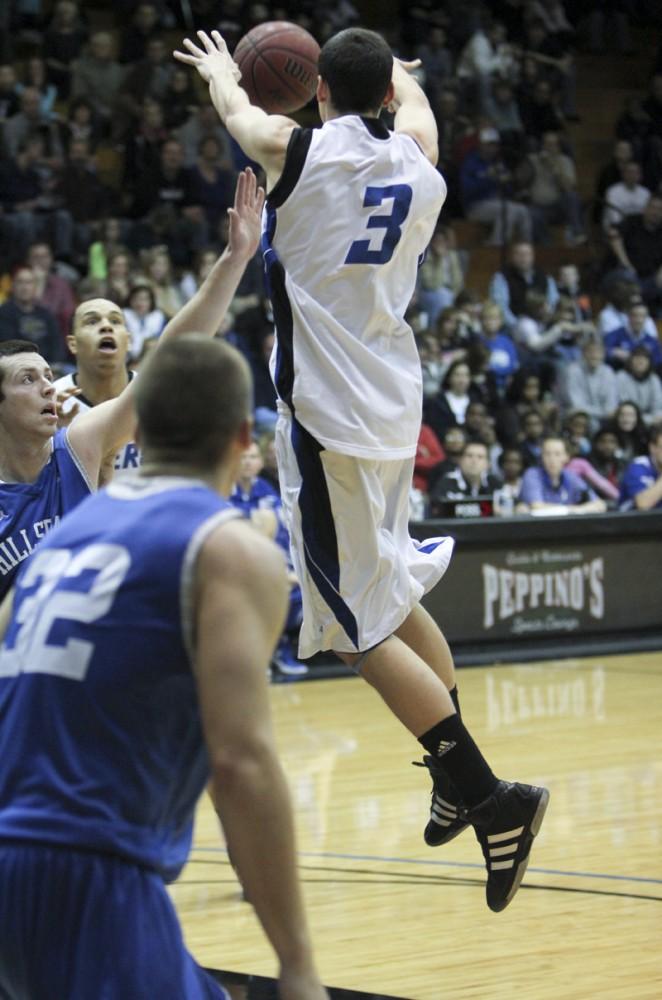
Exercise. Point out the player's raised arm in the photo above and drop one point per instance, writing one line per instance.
(103, 429)
(241, 603)
(413, 114)
(263, 137)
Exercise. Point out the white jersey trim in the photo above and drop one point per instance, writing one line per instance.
(188, 574)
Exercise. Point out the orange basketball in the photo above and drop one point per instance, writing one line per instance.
(278, 63)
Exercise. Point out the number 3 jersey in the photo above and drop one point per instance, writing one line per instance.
(344, 230)
(101, 746)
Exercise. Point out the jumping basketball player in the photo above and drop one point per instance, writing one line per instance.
(350, 209)
(44, 473)
(131, 673)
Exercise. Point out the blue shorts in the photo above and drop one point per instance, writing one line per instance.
(80, 926)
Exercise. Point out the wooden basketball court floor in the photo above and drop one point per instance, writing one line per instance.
(390, 915)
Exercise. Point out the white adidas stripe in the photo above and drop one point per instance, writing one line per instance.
(499, 865)
(497, 838)
(496, 852)
(440, 811)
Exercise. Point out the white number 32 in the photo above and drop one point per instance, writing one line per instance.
(29, 644)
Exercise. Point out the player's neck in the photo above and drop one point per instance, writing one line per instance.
(22, 462)
(221, 479)
(97, 387)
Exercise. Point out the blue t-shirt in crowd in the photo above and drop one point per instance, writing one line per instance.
(537, 487)
(639, 475)
(623, 339)
(504, 360)
(262, 496)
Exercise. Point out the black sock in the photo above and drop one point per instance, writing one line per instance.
(455, 698)
(453, 747)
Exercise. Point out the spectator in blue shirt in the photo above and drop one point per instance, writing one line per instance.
(487, 191)
(261, 504)
(503, 359)
(621, 342)
(641, 486)
(550, 488)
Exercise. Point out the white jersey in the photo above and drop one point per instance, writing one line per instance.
(128, 457)
(344, 230)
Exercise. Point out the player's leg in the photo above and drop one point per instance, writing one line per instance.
(285, 661)
(412, 671)
(506, 816)
(361, 576)
(421, 633)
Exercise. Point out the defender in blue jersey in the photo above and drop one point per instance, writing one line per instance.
(45, 473)
(350, 209)
(132, 675)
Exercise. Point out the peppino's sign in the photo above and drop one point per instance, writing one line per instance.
(524, 592)
(542, 591)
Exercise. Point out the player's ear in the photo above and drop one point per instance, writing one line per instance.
(388, 96)
(71, 342)
(322, 92)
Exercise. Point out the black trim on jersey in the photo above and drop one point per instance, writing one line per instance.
(282, 310)
(84, 399)
(376, 128)
(295, 158)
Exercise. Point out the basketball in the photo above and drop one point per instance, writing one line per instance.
(278, 63)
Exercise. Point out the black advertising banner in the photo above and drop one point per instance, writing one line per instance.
(520, 589)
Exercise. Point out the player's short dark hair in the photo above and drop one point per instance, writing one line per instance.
(11, 347)
(357, 66)
(192, 396)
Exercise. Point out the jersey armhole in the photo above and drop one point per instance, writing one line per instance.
(295, 158)
(187, 580)
(76, 460)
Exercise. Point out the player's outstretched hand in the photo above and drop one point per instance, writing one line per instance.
(209, 57)
(245, 216)
(403, 81)
(64, 417)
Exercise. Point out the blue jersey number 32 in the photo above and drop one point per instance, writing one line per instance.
(360, 251)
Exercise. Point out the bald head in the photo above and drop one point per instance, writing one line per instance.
(102, 306)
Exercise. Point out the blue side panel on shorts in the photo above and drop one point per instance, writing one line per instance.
(431, 546)
(318, 528)
(275, 277)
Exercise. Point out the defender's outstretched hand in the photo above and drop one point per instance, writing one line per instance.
(245, 216)
(210, 57)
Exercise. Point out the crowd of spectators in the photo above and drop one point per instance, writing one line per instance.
(116, 173)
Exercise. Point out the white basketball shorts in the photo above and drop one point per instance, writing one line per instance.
(360, 572)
